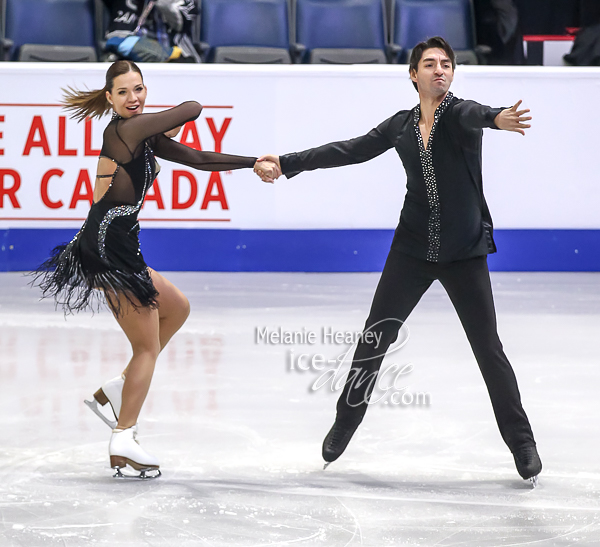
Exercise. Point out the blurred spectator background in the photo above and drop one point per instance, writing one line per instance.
(297, 31)
(151, 31)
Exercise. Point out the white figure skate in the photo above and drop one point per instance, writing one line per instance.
(111, 392)
(124, 450)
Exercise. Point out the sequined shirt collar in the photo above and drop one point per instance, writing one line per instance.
(438, 111)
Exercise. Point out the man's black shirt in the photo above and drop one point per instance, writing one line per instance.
(445, 216)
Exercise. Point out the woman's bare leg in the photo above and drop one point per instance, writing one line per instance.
(173, 309)
(141, 327)
(148, 331)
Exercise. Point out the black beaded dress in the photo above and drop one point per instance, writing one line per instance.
(104, 259)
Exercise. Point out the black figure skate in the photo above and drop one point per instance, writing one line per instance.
(528, 463)
(337, 440)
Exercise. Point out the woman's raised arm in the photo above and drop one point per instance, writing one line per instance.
(143, 126)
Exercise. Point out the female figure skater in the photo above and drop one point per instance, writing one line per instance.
(103, 261)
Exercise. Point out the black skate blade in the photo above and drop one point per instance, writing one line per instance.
(326, 465)
(141, 477)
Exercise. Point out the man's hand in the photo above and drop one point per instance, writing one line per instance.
(511, 119)
(268, 168)
(173, 132)
(268, 171)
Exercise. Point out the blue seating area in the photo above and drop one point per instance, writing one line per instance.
(42, 30)
(416, 20)
(253, 31)
(340, 31)
(246, 31)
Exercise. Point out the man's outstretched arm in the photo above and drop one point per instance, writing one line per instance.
(334, 154)
(472, 115)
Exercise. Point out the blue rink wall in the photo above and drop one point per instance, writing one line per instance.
(306, 250)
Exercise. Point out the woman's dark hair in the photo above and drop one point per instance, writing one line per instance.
(417, 53)
(90, 104)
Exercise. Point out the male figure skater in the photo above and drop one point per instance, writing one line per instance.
(445, 233)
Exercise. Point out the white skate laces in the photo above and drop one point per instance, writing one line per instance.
(125, 451)
(124, 448)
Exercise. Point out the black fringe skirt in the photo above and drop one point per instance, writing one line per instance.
(91, 270)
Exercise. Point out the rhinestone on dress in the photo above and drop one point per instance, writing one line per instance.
(125, 210)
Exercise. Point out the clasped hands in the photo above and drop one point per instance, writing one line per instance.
(268, 168)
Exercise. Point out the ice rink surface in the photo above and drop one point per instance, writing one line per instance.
(239, 434)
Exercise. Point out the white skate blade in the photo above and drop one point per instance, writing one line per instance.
(534, 481)
(93, 405)
(142, 474)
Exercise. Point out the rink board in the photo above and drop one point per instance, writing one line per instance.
(307, 250)
(542, 190)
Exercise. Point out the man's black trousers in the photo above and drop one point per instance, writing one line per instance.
(403, 282)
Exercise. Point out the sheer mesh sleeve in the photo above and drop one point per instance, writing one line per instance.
(136, 129)
(204, 161)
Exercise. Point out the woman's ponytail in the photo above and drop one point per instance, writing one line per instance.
(85, 104)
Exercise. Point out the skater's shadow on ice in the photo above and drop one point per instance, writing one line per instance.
(433, 485)
(362, 485)
(317, 483)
